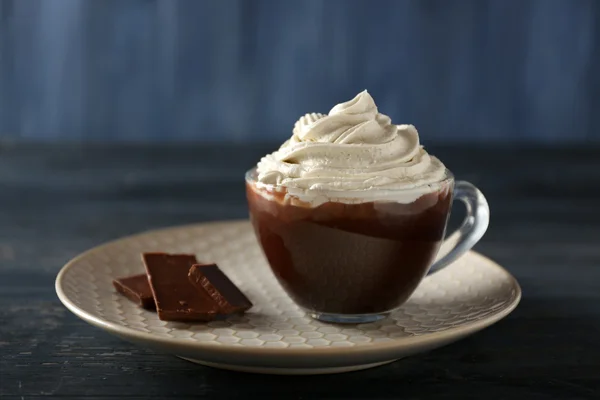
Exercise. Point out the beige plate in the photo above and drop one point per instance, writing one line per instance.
(275, 336)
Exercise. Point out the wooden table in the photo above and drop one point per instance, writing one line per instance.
(58, 200)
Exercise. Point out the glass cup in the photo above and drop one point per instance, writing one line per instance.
(354, 263)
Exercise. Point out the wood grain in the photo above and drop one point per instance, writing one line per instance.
(58, 200)
(239, 70)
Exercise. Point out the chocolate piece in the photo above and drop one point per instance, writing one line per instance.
(224, 292)
(137, 289)
(176, 299)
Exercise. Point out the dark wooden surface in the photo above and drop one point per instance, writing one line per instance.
(58, 200)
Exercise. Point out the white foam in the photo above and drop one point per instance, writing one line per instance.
(352, 155)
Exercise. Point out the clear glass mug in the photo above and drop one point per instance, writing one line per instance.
(354, 263)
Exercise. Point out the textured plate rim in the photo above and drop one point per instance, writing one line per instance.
(405, 343)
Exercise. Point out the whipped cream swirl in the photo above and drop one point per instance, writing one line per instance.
(354, 154)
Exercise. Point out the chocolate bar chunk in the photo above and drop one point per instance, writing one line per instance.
(176, 299)
(224, 292)
(137, 289)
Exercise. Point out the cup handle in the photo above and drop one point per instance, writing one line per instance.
(472, 229)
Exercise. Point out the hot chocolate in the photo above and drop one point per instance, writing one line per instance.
(350, 258)
(350, 211)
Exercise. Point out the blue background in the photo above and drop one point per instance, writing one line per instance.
(244, 70)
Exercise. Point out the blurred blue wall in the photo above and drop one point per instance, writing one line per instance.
(244, 70)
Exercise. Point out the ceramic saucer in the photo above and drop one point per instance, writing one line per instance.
(276, 336)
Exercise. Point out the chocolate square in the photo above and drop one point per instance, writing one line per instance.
(220, 288)
(137, 289)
